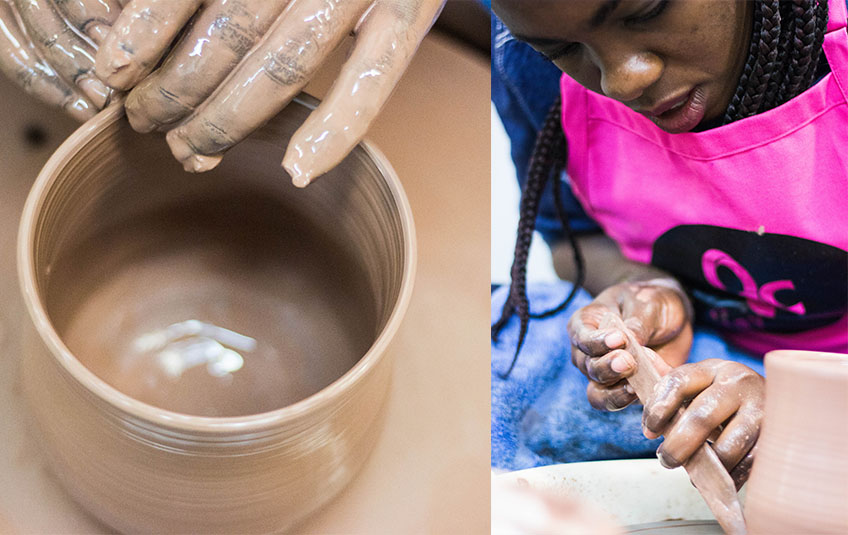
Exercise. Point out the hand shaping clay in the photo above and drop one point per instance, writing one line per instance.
(268, 78)
(218, 39)
(19, 61)
(139, 39)
(386, 40)
(66, 52)
(94, 18)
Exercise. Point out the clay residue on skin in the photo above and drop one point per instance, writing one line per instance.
(219, 38)
(386, 41)
(67, 53)
(94, 18)
(268, 78)
(20, 62)
(139, 39)
(726, 407)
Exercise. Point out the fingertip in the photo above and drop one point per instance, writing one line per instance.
(114, 65)
(199, 163)
(179, 147)
(665, 459)
(139, 120)
(300, 181)
(98, 32)
(96, 91)
(80, 109)
(623, 363)
(614, 339)
(291, 165)
(192, 162)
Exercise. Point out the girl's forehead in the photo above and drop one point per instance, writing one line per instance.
(552, 17)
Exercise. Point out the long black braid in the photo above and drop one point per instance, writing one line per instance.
(783, 59)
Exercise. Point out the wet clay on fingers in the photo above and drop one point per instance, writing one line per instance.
(269, 77)
(94, 18)
(20, 62)
(219, 37)
(139, 39)
(66, 52)
(799, 483)
(386, 40)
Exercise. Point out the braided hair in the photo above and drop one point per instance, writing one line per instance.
(783, 61)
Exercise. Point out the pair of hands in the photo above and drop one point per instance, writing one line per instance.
(236, 64)
(724, 399)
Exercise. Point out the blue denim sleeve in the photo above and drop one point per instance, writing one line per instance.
(524, 87)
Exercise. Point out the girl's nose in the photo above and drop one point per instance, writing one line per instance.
(627, 77)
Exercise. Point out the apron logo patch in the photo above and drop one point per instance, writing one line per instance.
(742, 280)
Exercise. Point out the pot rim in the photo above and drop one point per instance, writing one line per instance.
(816, 363)
(186, 422)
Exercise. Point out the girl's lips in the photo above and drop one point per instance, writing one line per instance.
(683, 118)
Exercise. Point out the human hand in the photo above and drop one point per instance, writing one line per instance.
(659, 315)
(227, 88)
(50, 52)
(724, 398)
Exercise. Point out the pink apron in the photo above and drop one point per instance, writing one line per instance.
(751, 216)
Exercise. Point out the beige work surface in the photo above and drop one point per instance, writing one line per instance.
(429, 472)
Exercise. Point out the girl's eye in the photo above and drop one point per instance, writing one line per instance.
(565, 50)
(653, 12)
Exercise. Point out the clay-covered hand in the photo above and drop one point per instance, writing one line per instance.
(658, 313)
(48, 47)
(239, 62)
(725, 404)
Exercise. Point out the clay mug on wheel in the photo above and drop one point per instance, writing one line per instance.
(209, 353)
(799, 482)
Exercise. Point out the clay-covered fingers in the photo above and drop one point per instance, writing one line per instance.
(736, 446)
(610, 368)
(139, 38)
(610, 397)
(671, 392)
(655, 311)
(739, 436)
(70, 56)
(265, 81)
(386, 41)
(21, 64)
(742, 470)
(585, 332)
(94, 18)
(721, 393)
(220, 36)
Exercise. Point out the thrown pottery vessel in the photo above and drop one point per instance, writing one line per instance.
(209, 354)
(799, 482)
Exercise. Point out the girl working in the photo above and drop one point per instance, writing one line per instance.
(703, 137)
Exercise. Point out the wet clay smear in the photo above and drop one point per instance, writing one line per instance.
(222, 307)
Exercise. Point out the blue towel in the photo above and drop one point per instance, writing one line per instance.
(540, 414)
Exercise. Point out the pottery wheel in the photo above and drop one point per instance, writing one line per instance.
(671, 527)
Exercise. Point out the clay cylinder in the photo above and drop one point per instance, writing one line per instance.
(799, 482)
(209, 354)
